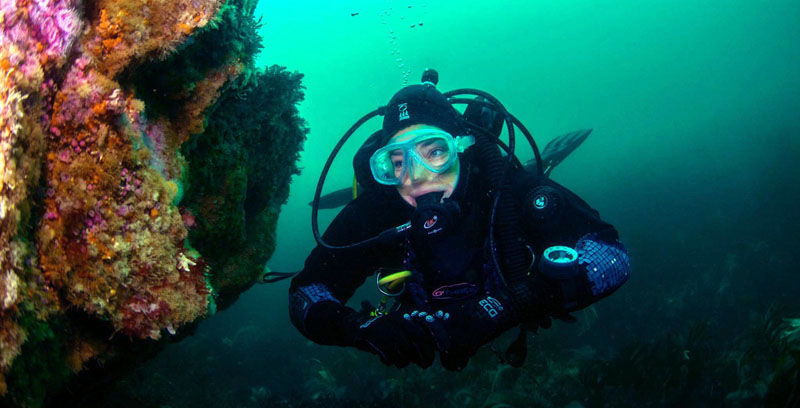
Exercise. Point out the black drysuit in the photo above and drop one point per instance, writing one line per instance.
(343, 271)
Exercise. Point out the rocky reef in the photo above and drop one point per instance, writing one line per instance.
(143, 162)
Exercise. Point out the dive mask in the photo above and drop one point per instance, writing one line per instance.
(434, 149)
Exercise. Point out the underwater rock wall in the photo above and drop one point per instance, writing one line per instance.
(238, 179)
(122, 143)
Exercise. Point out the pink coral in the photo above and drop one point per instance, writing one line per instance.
(144, 316)
(67, 20)
(53, 23)
(188, 219)
(64, 156)
(57, 24)
(80, 92)
(156, 135)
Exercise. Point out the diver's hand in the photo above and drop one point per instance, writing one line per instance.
(460, 328)
(396, 341)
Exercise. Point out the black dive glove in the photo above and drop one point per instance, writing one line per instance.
(395, 340)
(323, 319)
(459, 328)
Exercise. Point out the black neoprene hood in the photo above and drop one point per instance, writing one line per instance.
(420, 104)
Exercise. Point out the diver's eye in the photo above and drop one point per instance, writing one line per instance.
(436, 153)
(433, 151)
(396, 157)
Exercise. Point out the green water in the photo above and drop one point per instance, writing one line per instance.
(678, 92)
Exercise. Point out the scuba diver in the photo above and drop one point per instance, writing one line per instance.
(467, 241)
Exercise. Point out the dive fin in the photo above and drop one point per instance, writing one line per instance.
(271, 277)
(335, 199)
(558, 149)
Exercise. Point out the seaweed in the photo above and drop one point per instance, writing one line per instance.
(239, 173)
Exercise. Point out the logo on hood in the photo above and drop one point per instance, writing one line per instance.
(403, 109)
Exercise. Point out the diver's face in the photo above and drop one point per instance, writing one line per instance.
(418, 180)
